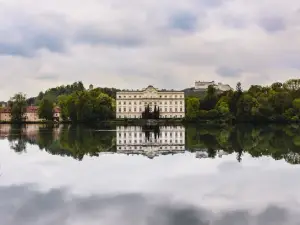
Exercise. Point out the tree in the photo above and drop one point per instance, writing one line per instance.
(247, 107)
(46, 109)
(296, 103)
(18, 106)
(192, 108)
(277, 86)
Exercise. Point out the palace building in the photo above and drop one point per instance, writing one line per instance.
(132, 103)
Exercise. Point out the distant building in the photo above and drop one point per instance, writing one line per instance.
(31, 114)
(132, 103)
(3, 104)
(203, 85)
(5, 114)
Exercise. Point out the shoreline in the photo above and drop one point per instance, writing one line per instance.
(159, 122)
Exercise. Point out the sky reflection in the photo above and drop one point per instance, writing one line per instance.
(39, 188)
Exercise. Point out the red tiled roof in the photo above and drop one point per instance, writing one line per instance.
(56, 110)
(5, 110)
(32, 109)
(29, 109)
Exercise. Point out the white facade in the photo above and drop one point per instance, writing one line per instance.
(133, 140)
(131, 104)
(223, 87)
(202, 85)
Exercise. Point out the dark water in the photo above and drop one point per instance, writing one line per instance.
(150, 175)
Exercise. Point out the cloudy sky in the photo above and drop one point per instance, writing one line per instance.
(134, 43)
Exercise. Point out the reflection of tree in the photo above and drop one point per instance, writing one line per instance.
(149, 129)
(279, 142)
(17, 138)
(75, 141)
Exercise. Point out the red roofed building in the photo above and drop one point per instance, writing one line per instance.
(56, 114)
(5, 114)
(31, 114)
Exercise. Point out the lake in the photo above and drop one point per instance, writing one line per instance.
(168, 175)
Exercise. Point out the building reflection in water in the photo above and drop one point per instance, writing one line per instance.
(150, 141)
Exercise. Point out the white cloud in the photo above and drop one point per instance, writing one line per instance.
(130, 45)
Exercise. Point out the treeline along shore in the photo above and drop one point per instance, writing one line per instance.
(277, 103)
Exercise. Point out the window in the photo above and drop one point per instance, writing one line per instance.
(120, 110)
(166, 110)
(134, 103)
(166, 103)
(170, 109)
(175, 109)
(129, 109)
(124, 110)
(124, 103)
(170, 102)
(120, 97)
(180, 109)
(129, 103)
(135, 109)
(135, 96)
(175, 96)
(119, 134)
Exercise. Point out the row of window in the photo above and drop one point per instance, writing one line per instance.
(161, 147)
(166, 134)
(161, 96)
(151, 103)
(161, 110)
(153, 141)
(139, 116)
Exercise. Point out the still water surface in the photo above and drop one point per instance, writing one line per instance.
(160, 175)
